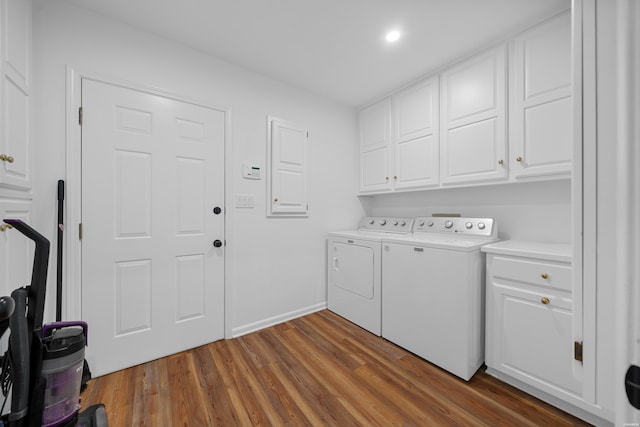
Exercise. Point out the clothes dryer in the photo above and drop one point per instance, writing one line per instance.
(433, 291)
(354, 269)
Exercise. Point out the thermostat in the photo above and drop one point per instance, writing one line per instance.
(251, 172)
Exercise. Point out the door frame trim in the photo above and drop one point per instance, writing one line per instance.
(72, 277)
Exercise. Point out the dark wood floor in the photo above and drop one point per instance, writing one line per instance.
(317, 370)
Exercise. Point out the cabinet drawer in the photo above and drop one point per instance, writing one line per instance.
(557, 276)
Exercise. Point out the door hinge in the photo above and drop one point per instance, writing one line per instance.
(80, 231)
(577, 350)
(80, 116)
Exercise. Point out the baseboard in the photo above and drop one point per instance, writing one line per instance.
(261, 324)
(591, 413)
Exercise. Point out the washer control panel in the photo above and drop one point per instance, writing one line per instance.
(481, 227)
(386, 224)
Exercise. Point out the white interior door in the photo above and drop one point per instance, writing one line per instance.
(152, 175)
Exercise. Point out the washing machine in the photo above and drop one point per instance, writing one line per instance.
(433, 291)
(355, 268)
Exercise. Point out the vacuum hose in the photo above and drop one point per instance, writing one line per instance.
(20, 357)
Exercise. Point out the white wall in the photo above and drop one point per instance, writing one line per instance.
(277, 266)
(539, 211)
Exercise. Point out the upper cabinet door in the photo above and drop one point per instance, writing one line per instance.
(473, 131)
(416, 136)
(375, 147)
(541, 115)
(288, 147)
(15, 91)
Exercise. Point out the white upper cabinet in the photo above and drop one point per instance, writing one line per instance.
(288, 147)
(501, 114)
(15, 91)
(416, 136)
(399, 140)
(473, 130)
(375, 147)
(541, 107)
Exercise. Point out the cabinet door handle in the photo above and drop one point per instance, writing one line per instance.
(518, 159)
(544, 275)
(501, 162)
(545, 300)
(386, 178)
(6, 158)
(5, 227)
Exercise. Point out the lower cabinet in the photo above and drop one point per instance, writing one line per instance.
(529, 321)
(531, 337)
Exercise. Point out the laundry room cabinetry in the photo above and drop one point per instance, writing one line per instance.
(473, 125)
(375, 147)
(529, 317)
(541, 107)
(399, 140)
(415, 142)
(15, 93)
(505, 114)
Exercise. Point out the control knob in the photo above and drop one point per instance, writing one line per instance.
(448, 224)
(395, 222)
(371, 222)
(481, 225)
(421, 223)
(383, 222)
(468, 225)
(403, 223)
(430, 223)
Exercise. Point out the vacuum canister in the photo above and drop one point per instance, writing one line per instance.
(62, 364)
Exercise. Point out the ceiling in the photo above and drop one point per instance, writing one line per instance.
(335, 48)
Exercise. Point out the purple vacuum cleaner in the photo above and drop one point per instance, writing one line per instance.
(44, 365)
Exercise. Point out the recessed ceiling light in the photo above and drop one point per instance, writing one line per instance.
(393, 36)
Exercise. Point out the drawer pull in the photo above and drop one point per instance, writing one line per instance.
(545, 300)
(544, 276)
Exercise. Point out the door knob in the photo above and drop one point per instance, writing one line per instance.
(217, 243)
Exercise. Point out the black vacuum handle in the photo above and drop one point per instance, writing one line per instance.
(38, 276)
(26, 229)
(60, 190)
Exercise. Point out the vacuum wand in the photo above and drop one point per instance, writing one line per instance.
(59, 257)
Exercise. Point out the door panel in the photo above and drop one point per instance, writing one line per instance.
(152, 171)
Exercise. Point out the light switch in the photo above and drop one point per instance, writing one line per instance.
(245, 201)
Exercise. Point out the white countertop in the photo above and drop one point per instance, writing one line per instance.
(562, 252)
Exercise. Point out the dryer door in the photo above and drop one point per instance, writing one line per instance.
(352, 268)
(354, 282)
